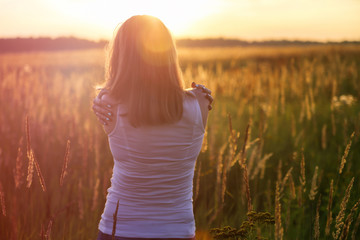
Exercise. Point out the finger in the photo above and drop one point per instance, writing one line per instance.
(209, 97)
(104, 120)
(200, 86)
(102, 92)
(102, 103)
(104, 113)
(206, 90)
(209, 107)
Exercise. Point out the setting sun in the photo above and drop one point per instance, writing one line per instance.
(321, 20)
(176, 15)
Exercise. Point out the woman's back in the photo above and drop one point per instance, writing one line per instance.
(153, 174)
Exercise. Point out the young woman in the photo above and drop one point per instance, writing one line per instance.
(155, 130)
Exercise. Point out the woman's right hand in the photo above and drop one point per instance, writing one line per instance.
(206, 91)
(102, 108)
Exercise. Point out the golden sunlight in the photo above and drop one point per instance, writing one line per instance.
(177, 15)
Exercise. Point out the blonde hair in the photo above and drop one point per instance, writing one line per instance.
(143, 72)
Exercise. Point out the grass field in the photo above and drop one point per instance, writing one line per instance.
(282, 140)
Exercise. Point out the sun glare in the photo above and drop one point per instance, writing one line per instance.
(105, 15)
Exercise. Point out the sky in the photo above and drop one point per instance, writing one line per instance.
(319, 20)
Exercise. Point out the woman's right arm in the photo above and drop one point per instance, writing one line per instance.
(204, 98)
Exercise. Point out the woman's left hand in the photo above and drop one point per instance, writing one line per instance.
(102, 109)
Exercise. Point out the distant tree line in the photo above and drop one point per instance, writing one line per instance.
(72, 43)
(47, 44)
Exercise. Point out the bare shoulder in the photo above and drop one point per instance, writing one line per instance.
(109, 127)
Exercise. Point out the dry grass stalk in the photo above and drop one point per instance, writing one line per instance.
(317, 218)
(292, 187)
(279, 231)
(30, 171)
(41, 178)
(205, 144)
(339, 223)
(66, 162)
(314, 187)
(2, 200)
(224, 179)
(233, 139)
(243, 151)
(30, 154)
(329, 208)
(27, 131)
(197, 181)
(81, 200)
(219, 175)
(246, 177)
(302, 177)
(95, 195)
(18, 173)
(279, 171)
(356, 226)
(115, 220)
(261, 165)
(45, 235)
(348, 221)
(346, 153)
(48, 230)
(285, 179)
(323, 136)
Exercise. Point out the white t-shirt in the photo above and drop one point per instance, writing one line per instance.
(153, 176)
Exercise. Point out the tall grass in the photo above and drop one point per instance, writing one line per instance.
(282, 138)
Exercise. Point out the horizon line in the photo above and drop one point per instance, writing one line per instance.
(192, 38)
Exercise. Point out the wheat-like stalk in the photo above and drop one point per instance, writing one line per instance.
(80, 200)
(41, 178)
(346, 153)
(18, 173)
(220, 172)
(302, 177)
(323, 136)
(260, 166)
(348, 221)
(292, 187)
(245, 174)
(66, 162)
(48, 230)
(29, 153)
(285, 179)
(356, 226)
(314, 187)
(317, 217)
(197, 181)
(279, 231)
(329, 208)
(279, 171)
(2, 200)
(30, 171)
(205, 144)
(96, 194)
(339, 223)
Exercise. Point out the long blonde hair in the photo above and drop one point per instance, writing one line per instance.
(143, 72)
